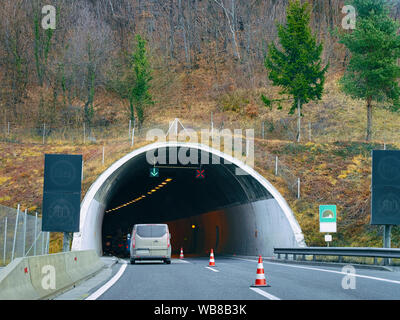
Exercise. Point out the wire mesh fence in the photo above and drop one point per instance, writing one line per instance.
(283, 129)
(21, 235)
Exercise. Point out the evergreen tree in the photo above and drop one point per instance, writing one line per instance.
(374, 45)
(296, 67)
(139, 95)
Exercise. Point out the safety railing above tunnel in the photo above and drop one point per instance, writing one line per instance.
(340, 252)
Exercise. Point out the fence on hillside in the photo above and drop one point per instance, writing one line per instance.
(21, 235)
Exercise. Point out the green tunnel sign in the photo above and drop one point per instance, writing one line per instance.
(327, 213)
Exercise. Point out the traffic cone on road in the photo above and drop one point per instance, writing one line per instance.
(181, 256)
(260, 278)
(212, 261)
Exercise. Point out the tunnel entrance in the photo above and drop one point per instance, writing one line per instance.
(218, 209)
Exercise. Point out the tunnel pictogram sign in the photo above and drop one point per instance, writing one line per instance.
(200, 174)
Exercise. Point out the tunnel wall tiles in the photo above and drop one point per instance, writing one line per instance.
(249, 229)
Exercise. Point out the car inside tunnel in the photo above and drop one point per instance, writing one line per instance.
(209, 202)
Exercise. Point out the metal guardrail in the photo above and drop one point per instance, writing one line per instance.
(375, 253)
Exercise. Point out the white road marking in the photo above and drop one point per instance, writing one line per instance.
(180, 261)
(323, 270)
(265, 294)
(215, 270)
(109, 284)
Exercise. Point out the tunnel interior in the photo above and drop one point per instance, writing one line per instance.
(177, 193)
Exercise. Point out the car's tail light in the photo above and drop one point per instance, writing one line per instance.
(168, 244)
(133, 239)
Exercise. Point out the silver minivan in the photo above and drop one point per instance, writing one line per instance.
(150, 242)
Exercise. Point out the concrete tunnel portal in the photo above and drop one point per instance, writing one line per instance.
(232, 213)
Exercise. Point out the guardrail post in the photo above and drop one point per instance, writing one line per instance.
(314, 258)
(295, 257)
(375, 260)
(286, 256)
(279, 256)
(340, 259)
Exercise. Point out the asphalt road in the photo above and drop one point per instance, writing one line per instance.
(191, 279)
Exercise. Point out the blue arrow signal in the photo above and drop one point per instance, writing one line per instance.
(154, 172)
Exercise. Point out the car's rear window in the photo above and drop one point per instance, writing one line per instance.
(151, 231)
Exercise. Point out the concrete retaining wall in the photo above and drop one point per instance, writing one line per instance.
(41, 277)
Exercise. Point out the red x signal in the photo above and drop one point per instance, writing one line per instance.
(200, 173)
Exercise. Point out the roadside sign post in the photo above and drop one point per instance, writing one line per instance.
(327, 221)
(328, 238)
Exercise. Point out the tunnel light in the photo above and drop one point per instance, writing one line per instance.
(154, 190)
(163, 183)
(193, 226)
(168, 180)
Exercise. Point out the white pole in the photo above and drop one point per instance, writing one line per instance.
(133, 137)
(8, 129)
(309, 130)
(44, 131)
(47, 243)
(298, 188)
(24, 238)
(130, 126)
(43, 235)
(82, 170)
(5, 240)
(34, 244)
(15, 233)
(84, 133)
(276, 165)
(102, 161)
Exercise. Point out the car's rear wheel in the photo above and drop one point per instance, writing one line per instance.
(167, 261)
(132, 261)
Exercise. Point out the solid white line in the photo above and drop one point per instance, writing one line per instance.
(265, 294)
(215, 270)
(325, 270)
(109, 284)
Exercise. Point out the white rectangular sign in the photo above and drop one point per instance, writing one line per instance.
(327, 227)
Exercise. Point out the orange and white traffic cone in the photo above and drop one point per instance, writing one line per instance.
(181, 256)
(212, 261)
(260, 278)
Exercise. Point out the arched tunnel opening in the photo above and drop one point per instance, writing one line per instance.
(215, 201)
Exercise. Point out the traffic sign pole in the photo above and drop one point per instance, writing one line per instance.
(387, 240)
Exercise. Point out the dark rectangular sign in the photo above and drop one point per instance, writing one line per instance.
(61, 212)
(385, 206)
(62, 193)
(62, 173)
